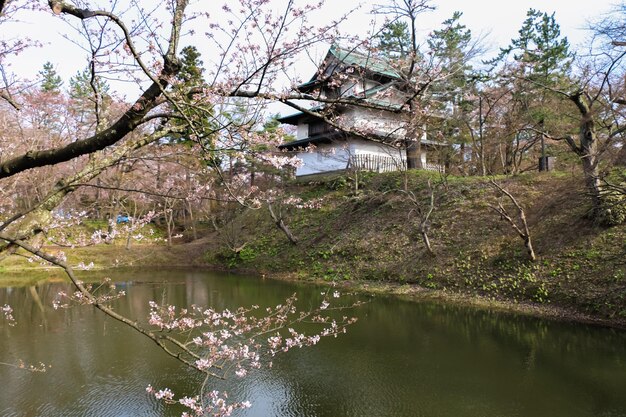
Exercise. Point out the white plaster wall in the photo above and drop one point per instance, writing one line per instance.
(349, 87)
(371, 119)
(370, 84)
(360, 146)
(326, 158)
(393, 96)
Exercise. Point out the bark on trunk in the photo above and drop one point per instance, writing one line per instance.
(589, 152)
(278, 220)
(529, 248)
(593, 184)
(426, 240)
(414, 154)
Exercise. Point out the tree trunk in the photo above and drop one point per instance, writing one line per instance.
(462, 163)
(425, 239)
(508, 158)
(482, 160)
(97, 204)
(278, 220)
(593, 183)
(192, 220)
(414, 154)
(131, 227)
(588, 152)
(529, 247)
(168, 212)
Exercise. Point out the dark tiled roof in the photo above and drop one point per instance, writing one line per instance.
(363, 60)
(352, 57)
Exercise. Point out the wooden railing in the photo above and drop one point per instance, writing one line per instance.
(375, 163)
(383, 163)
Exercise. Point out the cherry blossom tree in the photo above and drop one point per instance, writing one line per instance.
(255, 43)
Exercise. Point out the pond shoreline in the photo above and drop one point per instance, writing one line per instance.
(410, 292)
(417, 293)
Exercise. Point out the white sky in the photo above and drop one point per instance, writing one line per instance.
(498, 20)
(503, 19)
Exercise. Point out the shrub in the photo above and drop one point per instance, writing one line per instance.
(612, 209)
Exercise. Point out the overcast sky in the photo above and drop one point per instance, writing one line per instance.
(503, 19)
(498, 20)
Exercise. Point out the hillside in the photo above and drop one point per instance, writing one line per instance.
(370, 239)
(372, 235)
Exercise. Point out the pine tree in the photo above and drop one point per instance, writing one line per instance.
(81, 88)
(90, 98)
(272, 127)
(542, 55)
(536, 63)
(191, 71)
(197, 124)
(450, 43)
(50, 81)
(451, 47)
(394, 41)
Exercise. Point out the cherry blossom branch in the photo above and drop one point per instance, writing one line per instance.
(9, 99)
(89, 298)
(129, 121)
(34, 219)
(213, 348)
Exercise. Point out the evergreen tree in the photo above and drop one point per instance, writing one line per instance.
(535, 64)
(273, 129)
(191, 70)
(450, 48)
(197, 124)
(542, 61)
(450, 44)
(542, 55)
(394, 41)
(50, 81)
(90, 99)
(81, 88)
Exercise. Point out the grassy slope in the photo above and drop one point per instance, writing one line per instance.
(18, 270)
(372, 236)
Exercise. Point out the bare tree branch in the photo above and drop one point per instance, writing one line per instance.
(129, 121)
(523, 231)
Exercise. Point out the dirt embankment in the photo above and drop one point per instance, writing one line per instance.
(372, 236)
(370, 240)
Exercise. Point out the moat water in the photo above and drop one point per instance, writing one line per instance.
(400, 359)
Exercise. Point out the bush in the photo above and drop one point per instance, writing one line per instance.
(612, 209)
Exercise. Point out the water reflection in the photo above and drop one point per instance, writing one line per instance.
(400, 359)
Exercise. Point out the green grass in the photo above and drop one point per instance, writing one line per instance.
(372, 236)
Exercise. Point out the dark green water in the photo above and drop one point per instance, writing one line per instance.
(400, 359)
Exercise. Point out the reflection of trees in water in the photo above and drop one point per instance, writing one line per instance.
(401, 358)
(96, 363)
(441, 360)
